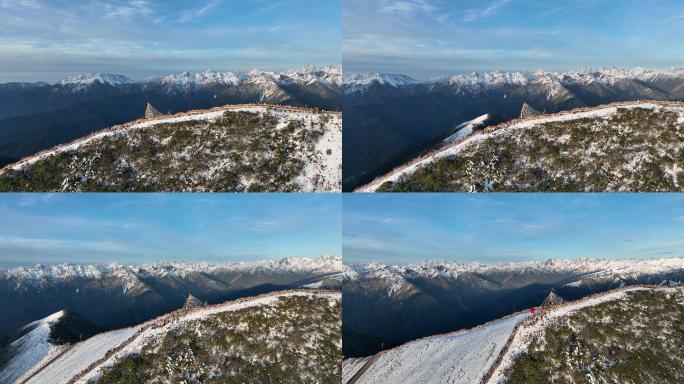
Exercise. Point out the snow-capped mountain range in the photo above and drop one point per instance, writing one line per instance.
(328, 76)
(585, 76)
(42, 274)
(360, 81)
(85, 79)
(582, 267)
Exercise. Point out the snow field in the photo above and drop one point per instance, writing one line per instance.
(81, 355)
(351, 366)
(459, 357)
(32, 349)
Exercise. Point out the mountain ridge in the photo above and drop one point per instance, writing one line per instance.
(391, 125)
(36, 116)
(512, 126)
(487, 352)
(65, 271)
(608, 75)
(90, 359)
(400, 303)
(241, 146)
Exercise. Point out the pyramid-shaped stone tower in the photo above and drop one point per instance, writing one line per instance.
(528, 111)
(151, 111)
(193, 302)
(551, 300)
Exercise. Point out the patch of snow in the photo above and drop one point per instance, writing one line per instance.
(323, 172)
(465, 129)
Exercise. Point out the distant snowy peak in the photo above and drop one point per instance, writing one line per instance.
(330, 76)
(583, 76)
(187, 79)
(597, 267)
(44, 273)
(86, 79)
(485, 80)
(611, 75)
(491, 79)
(360, 81)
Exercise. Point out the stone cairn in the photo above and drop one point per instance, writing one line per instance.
(528, 111)
(151, 111)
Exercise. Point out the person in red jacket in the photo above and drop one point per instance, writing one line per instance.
(532, 311)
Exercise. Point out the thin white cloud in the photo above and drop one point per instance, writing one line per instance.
(19, 4)
(406, 7)
(378, 219)
(477, 14)
(128, 11)
(200, 12)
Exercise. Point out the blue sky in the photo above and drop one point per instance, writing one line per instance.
(50, 39)
(139, 228)
(433, 38)
(489, 228)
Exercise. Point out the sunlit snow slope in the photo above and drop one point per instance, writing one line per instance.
(459, 357)
(32, 348)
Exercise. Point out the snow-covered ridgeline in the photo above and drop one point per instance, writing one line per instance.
(32, 348)
(593, 267)
(359, 81)
(44, 273)
(331, 75)
(84, 360)
(85, 79)
(601, 112)
(209, 115)
(524, 334)
(582, 76)
(460, 357)
(465, 129)
(327, 75)
(484, 80)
